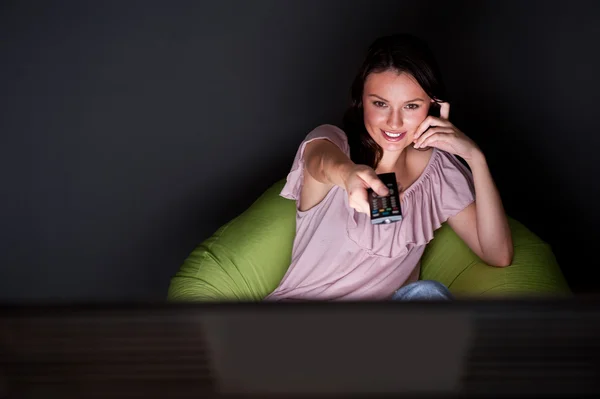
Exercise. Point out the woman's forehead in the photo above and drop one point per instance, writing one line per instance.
(392, 84)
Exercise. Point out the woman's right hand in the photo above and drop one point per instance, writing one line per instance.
(357, 179)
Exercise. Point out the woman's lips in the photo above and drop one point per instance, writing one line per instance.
(389, 137)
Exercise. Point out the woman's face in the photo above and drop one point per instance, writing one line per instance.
(394, 106)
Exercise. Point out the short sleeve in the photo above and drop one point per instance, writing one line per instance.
(453, 185)
(295, 177)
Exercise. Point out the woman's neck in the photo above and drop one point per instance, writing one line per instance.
(392, 162)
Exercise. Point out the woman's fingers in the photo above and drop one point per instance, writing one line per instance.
(434, 130)
(358, 200)
(364, 179)
(445, 141)
(430, 122)
(374, 182)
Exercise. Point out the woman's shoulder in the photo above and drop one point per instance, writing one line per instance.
(418, 159)
(435, 160)
(439, 169)
(327, 130)
(418, 165)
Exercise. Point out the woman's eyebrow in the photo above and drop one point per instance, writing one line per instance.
(383, 99)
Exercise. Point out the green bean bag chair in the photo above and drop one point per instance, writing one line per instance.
(247, 257)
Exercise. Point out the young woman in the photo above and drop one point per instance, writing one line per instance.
(397, 122)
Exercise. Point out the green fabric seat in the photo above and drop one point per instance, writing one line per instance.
(246, 259)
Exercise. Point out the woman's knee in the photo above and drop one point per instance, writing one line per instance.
(432, 285)
(423, 289)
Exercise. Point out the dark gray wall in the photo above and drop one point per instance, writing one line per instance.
(131, 130)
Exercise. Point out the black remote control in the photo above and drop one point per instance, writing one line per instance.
(385, 209)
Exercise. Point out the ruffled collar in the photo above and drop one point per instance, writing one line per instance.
(421, 216)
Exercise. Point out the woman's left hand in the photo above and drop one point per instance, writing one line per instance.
(442, 134)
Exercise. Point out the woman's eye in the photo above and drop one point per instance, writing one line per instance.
(412, 106)
(379, 103)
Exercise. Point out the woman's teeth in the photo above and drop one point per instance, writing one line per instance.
(393, 134)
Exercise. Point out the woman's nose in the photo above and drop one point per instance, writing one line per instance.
(395, 120)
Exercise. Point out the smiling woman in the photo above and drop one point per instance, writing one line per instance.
(389, 121)
(398, 83)
(391, 126)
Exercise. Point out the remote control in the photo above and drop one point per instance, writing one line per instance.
(385, 209)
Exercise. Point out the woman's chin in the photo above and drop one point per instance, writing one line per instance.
(393, 147)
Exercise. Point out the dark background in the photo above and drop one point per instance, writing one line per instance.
(131, 130)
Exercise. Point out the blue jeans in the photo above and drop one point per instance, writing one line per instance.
(423, 290)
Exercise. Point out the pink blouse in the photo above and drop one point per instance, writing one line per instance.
(339, 255)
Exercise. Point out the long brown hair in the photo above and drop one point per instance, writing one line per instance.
(401, 53)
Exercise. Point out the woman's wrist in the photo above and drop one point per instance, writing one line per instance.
(477, 159)
(339, 172)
